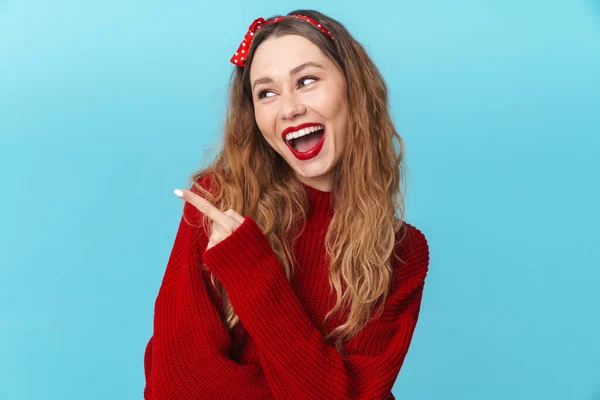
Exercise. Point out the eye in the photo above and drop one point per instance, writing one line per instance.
(314, 78)
(262, 94)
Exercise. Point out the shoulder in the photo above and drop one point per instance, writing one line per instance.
(412, 254)
(412, 241)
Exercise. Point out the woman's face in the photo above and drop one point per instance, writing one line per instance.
(294, 83)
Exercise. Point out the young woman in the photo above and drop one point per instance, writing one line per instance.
(291, 276)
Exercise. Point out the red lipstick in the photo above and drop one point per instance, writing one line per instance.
(296, 128)
(307, 154)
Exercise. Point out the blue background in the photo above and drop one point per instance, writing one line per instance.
(106, 107)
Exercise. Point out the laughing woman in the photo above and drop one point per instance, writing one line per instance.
(291, 277)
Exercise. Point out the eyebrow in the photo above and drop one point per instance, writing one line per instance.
(293, 71)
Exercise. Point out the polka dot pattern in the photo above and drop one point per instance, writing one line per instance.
(257, 23)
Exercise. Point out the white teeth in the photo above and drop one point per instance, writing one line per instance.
(302, 132)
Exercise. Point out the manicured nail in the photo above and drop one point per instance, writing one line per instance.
(178, 192)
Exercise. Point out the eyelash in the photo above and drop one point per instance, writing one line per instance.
(261, 93)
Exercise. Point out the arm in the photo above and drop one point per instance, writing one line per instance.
(187, 356)
(295, 359)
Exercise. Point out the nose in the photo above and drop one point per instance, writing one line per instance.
(290, 106)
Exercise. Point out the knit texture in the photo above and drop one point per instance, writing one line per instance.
(277, 351)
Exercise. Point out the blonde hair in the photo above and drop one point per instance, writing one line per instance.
(254, 180)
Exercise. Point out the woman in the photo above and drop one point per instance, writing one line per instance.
(290, 276)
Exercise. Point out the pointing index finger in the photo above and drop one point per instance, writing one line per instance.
(205, 207)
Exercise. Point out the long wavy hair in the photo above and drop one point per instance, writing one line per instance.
(251, 178)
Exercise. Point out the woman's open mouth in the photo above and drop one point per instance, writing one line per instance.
(309, 142)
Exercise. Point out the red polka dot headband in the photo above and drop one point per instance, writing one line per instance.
(239, 58)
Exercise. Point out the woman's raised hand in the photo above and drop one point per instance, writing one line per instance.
(224, 223)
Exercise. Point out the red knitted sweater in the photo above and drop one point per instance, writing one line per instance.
(277, 351)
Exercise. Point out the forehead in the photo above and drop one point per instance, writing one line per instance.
(278, 55)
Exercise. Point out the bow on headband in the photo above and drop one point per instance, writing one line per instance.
(239, 58)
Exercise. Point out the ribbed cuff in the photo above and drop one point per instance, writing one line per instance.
(233, 259)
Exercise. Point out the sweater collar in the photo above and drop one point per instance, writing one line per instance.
(321, 203)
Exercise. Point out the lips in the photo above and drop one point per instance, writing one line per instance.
(307, 155)
(295, 128)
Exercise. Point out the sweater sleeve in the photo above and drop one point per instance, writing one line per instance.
(188, 354)
(147, 369)
(296, 360)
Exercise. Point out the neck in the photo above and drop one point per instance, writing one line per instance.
(320, 202)
(324, 183)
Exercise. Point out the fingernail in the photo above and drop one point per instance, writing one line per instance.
(178, 193)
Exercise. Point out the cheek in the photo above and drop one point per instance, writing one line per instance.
(332, 104)
(337, 111)
(341, 115)
(265, 116)
(261, 120)
(265, 124)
